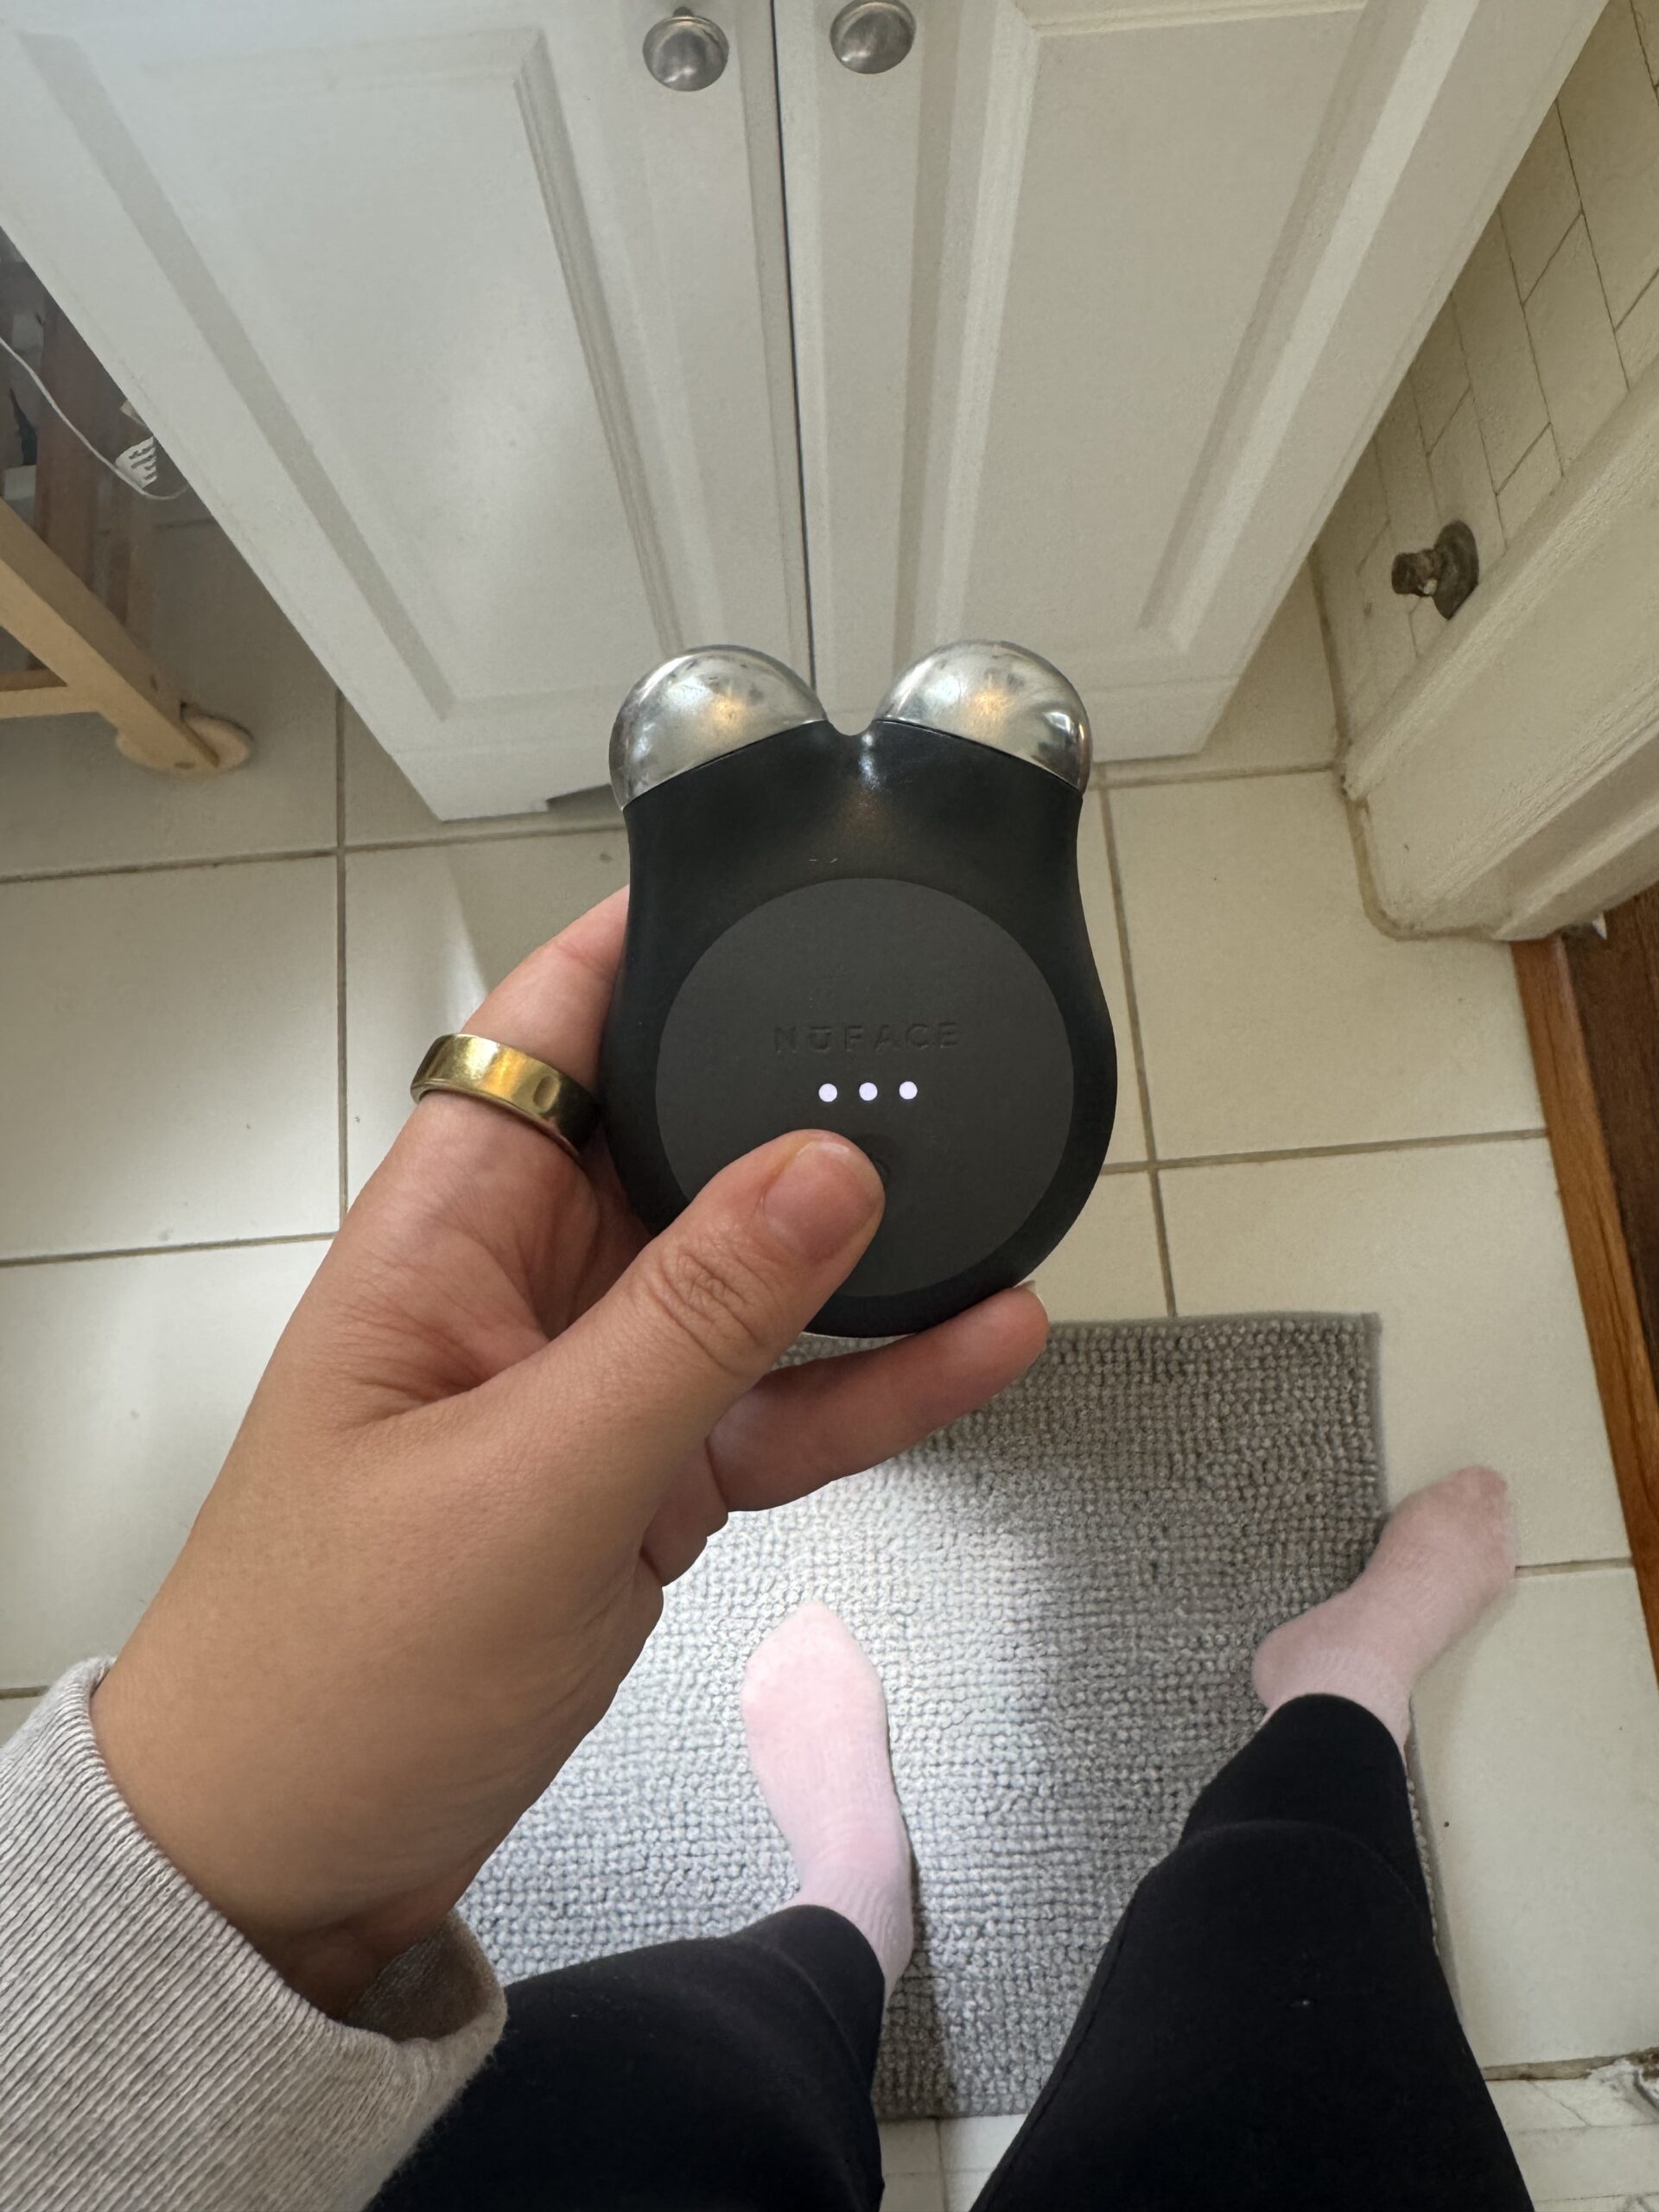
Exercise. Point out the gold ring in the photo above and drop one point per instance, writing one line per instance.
(554, 1102)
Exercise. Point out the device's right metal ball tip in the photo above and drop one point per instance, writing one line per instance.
(1000, 695)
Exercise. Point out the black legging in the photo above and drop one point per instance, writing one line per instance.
(1269, 2027)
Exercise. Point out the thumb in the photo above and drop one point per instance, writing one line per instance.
(706, 1307)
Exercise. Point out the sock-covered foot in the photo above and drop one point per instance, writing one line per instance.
(817, 1723)
(1442, 1559)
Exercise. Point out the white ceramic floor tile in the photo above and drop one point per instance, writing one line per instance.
(429, 931)
(122, 1382)
(1280, 716)
(1542, 203)
(14, 1711)
(1387, 615)
(1620, 2203)
(910, 2146)
(1413, 519)
(976, 2145)
(1100, 910)
(1509, 399)
(1526, 2106)
(1586, 2164)
(961, 2189)
(1107, 1267)
(1360, 515)
(69, 800)
(1647, 23)
(914, 2192)
(1354, 680)
(1461, 1251)
(382, 807)
(1463, 481)
(1539, 1737)
(1427, 625)
(1272, 1014)
(1611, 120)
(1638, 335)
(1606, 2098)
(1439, 375)
(1538, 474)
(181, 1080)
(1573, 341)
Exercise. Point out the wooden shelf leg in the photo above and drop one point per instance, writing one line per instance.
(67, 627)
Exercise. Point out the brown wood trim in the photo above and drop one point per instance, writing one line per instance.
(1601, 1259)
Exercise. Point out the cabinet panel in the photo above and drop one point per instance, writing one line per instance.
(1163, 263)
(474, 337)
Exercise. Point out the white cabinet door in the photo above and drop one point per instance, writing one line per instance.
(1097, 301)
(474, 337)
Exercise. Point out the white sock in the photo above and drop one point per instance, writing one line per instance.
(1442, 1559)
(817, 1723)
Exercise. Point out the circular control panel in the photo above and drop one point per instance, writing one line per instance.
(905, 1020)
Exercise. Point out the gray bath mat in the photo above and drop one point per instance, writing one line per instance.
(1062, 1593)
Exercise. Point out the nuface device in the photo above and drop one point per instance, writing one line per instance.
(878, 933)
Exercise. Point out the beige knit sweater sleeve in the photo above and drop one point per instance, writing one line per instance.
(150, 2059)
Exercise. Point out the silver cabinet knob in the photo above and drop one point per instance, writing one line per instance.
(685, 52)
(871, 35)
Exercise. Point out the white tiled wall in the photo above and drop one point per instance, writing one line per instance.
(1555, 317)
(1312, 1116)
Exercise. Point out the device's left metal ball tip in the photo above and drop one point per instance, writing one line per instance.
(698, 706)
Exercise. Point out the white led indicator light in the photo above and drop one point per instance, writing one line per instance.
(867, 1091)
(907, 1091)
(828, 1092)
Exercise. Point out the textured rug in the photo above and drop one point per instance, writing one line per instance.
(1062, 1593)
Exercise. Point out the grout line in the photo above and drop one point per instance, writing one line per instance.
(173, 868)
(161, 1251)
(1578, 210)
(1651, 286)
(1458, 1143)
(1474, 397)
(1514, 279)
(39, 1692)
(1132, 1013)
(484, 835)
(339, 945)
(1498, 490)
(1385, 525)
(1571, 1565)
(1589, 238)
(1148, 1166)
(1556, 2069)
(1144, 780)
(1161, 1228)
(1555, 254)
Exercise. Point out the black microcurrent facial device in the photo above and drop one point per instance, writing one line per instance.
(878, 933)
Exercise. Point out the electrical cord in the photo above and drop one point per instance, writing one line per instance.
(75, 431)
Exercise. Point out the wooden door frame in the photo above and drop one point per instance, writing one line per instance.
(1601, 1258)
